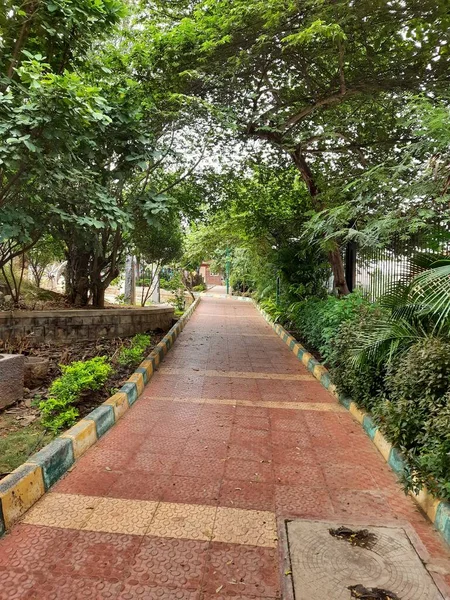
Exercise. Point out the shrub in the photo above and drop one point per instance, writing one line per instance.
(58, 411)
(416, 417)
(365, 384)
(130, 355)
(318, 321)
(199, 288)
(275, 311)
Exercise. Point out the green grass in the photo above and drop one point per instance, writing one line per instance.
(20, 442)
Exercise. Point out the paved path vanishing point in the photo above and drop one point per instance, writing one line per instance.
(180, 500)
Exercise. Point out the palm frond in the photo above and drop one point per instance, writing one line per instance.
(386, 341)
(431, 288)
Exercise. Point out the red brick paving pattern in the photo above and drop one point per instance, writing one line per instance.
(303, 463)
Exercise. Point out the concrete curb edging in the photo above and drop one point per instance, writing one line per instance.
(438, 511)
(25, 485)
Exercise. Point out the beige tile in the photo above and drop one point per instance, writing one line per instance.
(187, 521)
(315, 406)
(250, 527)
(69, 511)
(115, 515)
(237, 374)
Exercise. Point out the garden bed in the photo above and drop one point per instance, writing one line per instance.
(21, 431)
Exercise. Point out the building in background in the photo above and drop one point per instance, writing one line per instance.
(209, 277)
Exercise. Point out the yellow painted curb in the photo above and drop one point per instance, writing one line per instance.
(428, 503)
(296, 348)
(156, 357)
(83, 436)
(358, 414)
(138, 379)
(333, 391)
(306, 358)
(148, 366)
(382, 444)
(318, 371)
(119, 402)
(22, 494)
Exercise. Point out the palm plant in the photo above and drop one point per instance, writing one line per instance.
(414, 311)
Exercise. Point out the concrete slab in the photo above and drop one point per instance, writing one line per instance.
(11, 378)
(325, 566)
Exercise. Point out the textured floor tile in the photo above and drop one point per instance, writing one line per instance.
(151, 462)
(62, 587)
(133, 591)
(303, 501)
(187, 521)
(170, 562)
(353, 477)
(107, 556)
(249, 470)
(361, 503)
(251, 527)
(192, 490)
(62, 510)
(139, 485)
(171, 447)
(204, 446)
(121, 516)
(250, 450)
(31, 548)
(249, 495)
(87, 482)
(16, 585)
(234, 570)
(166, 445)
(299, 474)
(253, 422)
(199, 466)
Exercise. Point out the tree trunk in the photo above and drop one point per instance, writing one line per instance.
(77, 276)
(334, 256)
(337, 266)
(130, 281)
(98, 296)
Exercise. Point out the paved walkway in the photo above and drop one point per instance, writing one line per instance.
(181, 499)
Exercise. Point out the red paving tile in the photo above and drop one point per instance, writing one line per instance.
(139, 485)
(295, 463)
(192, 490)
(233, 569)
(251, 495)
(170, 563)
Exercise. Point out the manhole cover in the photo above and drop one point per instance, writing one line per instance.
(349, 560)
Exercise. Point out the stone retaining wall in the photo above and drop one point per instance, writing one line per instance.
(62, 326)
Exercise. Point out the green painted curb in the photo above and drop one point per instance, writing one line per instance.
(103, 417)
(131, 391)
(143, 373)
(442, 521)
(54, 459)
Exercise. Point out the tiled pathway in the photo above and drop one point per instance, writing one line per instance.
(181, 499)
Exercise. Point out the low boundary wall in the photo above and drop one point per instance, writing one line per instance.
(62, 326)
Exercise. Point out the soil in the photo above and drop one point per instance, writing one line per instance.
(23, 417)
(64, 355)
